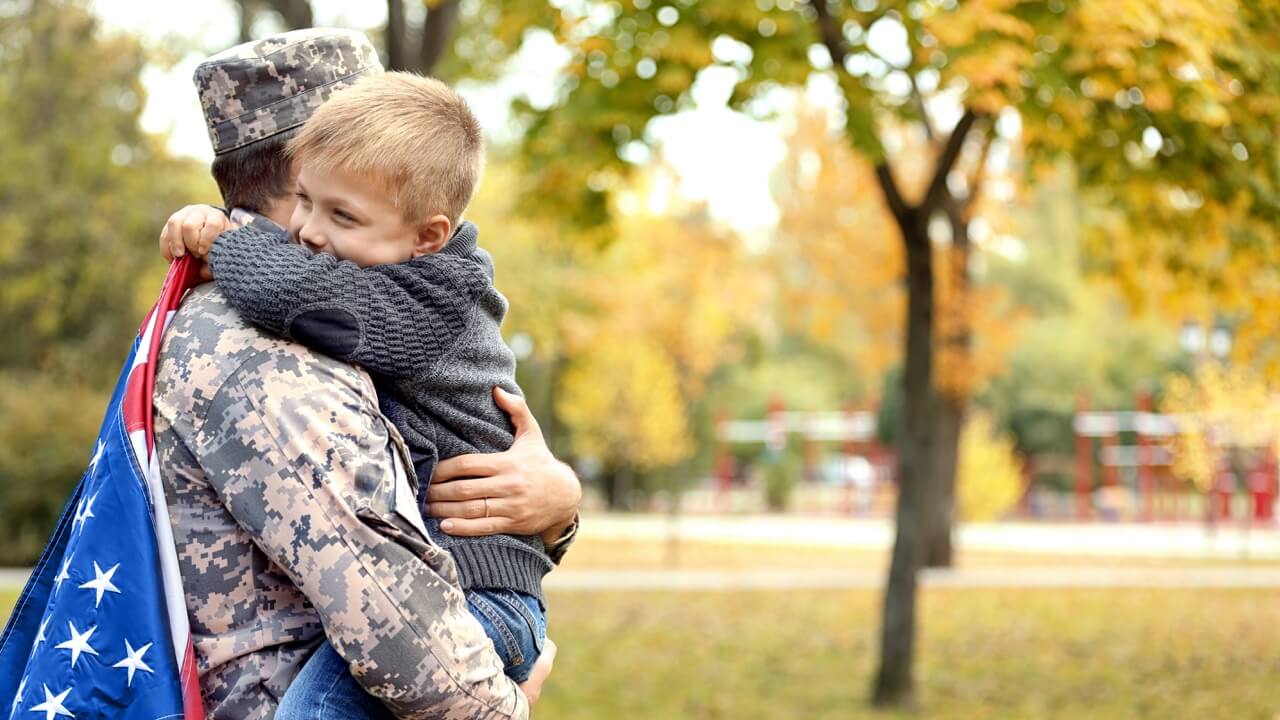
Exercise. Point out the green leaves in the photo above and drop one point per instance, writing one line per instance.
(83, 192)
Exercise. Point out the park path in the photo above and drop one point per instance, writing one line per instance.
(957, 578)
(1098, 539)
(1102, 540)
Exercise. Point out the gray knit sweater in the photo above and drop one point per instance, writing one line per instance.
(427, 330)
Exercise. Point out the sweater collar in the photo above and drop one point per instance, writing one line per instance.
(464, 240)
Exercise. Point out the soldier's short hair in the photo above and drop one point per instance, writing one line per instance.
(412, 134)
(253, 176)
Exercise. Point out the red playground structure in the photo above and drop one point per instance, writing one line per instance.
(1147, 461)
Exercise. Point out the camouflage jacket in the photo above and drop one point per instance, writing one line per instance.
(294, 519)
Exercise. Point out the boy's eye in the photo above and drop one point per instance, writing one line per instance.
(302, 197)
(343, 216)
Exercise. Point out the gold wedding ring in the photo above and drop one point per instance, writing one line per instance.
(486, 507)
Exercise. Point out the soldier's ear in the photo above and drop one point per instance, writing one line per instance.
(433, 235)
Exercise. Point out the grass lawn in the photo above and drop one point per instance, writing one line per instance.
(1094, 654)
(984, 654)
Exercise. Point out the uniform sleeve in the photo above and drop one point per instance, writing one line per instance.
(556, 550)
(395, 320)
(295, 449)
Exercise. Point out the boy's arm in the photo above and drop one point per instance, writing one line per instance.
(395, 320)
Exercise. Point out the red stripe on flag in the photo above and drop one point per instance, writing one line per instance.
(192, 702)
(136, 405)
(184, 274)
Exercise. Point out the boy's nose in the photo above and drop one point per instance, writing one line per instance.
(310, 238)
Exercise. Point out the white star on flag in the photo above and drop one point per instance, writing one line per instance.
(62, 574)
(79, 643)
(133, 660)
(52, 705)
(40, 633)
(84, 512)
(18, 698)
(97, 455)
(101, 582)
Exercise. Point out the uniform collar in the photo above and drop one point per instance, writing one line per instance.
(241, 217)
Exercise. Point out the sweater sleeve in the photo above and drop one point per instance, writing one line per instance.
(395, 320)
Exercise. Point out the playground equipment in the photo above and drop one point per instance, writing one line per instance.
(1149, 459)
(1122, 466)
(864, 461)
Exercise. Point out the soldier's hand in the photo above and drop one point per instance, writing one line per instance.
(192, 230)
(532, 688)
(523, 491)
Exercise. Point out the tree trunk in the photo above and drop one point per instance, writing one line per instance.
(296, 13)
(939, 525)
(617, 482)
(397, 36)
(952, 408)
(248, 11)
(435, 35)
(894, 683)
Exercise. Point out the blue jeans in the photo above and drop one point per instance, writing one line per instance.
(324, 690)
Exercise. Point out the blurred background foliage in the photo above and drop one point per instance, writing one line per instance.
(83, 191)
(984, 208)
(640, 317)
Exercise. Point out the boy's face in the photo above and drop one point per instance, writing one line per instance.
(352, 218)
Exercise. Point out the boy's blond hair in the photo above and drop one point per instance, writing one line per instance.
(412, 133)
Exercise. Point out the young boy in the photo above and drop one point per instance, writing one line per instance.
(385, 274)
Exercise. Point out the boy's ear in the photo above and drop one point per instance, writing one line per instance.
(433, 235)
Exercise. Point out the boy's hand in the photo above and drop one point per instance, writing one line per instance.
(532, 688)
(192, 230)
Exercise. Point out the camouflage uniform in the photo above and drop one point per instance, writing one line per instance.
(294, 519)
(292, 512)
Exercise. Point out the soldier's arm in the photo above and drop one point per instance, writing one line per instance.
(395, 320)
(297, 452)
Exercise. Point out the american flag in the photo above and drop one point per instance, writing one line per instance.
(101, 628)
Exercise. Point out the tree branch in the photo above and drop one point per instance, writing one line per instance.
(436, 30)
(979, 174)
(947, 160)
(832, 37)
(959, 221)
(889, 186)
(924, 111)
(296, 13)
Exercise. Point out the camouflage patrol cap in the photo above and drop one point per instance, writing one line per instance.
(261, 88)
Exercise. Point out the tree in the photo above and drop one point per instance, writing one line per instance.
(417, 37)
(1087, 79)
(83, 195)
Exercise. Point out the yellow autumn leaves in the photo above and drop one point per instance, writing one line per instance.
(1220, 409)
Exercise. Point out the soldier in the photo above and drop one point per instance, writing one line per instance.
(293, 514)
